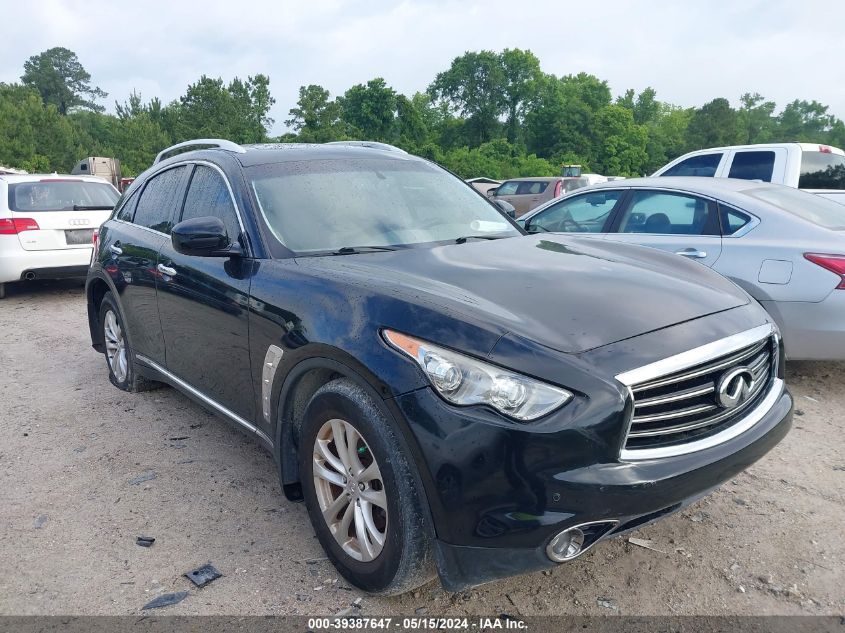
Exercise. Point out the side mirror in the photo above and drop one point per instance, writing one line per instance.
(492, 192)
(203, 237)
(506, 207)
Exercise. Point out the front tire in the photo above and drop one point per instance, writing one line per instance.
(363, 499)
(120, 360)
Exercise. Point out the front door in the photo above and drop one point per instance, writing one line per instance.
(203, 304)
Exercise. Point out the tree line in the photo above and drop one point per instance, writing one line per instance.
(493, 114)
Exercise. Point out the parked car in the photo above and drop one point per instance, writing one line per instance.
(526, 193)
(786, 248)
(47, 223)
(814, 168)
(483, 185)
(444, 392)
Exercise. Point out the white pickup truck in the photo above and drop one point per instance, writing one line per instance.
(808, 166)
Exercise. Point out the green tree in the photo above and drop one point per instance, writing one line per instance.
(61, 80)
(522, 77)
(712, 125)
(621, 142)
(755, 119)
(474, 87)
(316, 117)
(807, 121)
(370, 110)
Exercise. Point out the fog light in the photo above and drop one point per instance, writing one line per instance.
(566, 545)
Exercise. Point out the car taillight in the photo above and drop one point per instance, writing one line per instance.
(95, 238)
(13, 226)
(557, 188)
(833, 263)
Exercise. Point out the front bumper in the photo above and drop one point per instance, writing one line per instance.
(499, 493)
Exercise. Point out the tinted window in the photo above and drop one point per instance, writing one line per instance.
(529, 187)
(753, 166)
(586, 213)
(662, 213)
(732, 219)
(127, 209)
(325, 205)
(507, 188)
(155, 207)
(208, 195)
(822, 170)
(702, 165)
(808, 206)
(60, 195)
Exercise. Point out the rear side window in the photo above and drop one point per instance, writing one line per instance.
(155, 207)
(531, 187)
(822, 170)
(127, 209)
(660, 213)
(61, 195)
(208, 195)
(732, 219)
(753, 166)
(701, 165)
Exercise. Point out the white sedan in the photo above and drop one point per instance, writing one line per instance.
(47, 224)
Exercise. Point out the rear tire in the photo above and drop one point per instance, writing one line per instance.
(365, 503)
(120, 360)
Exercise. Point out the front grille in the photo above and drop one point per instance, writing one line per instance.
(686, 405)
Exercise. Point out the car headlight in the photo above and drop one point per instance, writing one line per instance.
(463, 380)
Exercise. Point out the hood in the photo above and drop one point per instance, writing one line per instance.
(569, 294)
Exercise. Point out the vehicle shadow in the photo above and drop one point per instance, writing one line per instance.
(42, 288)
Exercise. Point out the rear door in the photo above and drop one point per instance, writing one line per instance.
(131, 242)
(678, 222)
(203, 303)
(65, 210)
(766, 165)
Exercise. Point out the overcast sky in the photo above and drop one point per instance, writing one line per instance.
(690, 52)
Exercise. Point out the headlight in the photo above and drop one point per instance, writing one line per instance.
(463, 380)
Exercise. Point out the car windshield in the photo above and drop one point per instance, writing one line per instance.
(61, 195)
(328, 205)
(809, 206)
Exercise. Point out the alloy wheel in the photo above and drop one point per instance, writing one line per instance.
(115, 346)
(350, 490)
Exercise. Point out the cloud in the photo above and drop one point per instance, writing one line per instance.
(690, 53)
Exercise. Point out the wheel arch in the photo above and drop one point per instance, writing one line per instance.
(95, 289)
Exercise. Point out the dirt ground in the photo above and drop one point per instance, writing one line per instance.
(85, 468)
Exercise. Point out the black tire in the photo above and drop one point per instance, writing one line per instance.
(405, 561)
(132, 382)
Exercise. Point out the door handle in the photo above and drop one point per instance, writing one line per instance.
(166, 270)
(115, 249)
(693, 253)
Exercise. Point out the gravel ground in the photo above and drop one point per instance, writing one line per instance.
(85, 468)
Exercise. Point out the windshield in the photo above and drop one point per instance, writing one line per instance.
(808, 206)
(326, 205)
(60, 195)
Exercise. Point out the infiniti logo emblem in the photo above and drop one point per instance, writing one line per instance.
(734, 387)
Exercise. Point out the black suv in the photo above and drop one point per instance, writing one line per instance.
(443, 391)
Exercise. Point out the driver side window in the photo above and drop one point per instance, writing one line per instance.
(585, 213)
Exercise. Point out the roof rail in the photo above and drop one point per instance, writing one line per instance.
(370, 144)
(220, 143)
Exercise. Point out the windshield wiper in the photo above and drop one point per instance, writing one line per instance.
(91, 207)
(461, 240)
(352, 250)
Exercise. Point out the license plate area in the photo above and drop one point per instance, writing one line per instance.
(74, 237)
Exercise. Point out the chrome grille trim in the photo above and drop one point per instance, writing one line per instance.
(757, 349)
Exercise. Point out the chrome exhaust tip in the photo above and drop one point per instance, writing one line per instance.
(574, 541)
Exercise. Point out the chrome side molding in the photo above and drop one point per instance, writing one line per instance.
(271, 363)
(211, 402)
